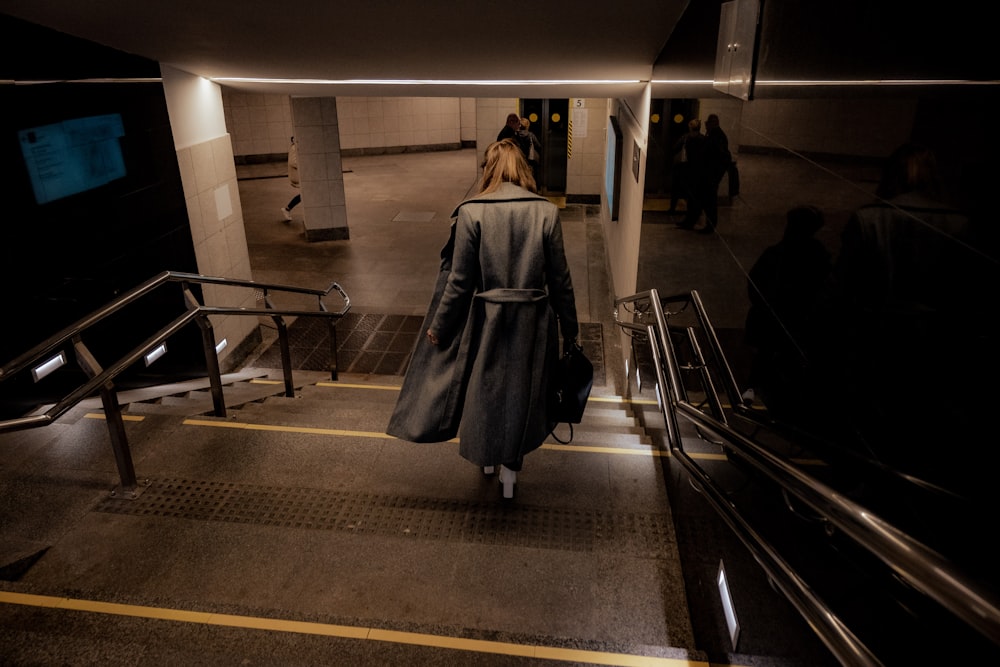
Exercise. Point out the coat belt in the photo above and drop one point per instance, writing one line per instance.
(505, 295)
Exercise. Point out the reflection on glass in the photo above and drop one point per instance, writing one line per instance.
(888, 352)
(850, 285)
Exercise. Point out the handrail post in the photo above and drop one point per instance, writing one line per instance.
(129, 487)
(212, 366)
(116, 425)
(663, 393)
(211, 355)
(333, 348)
(286, 355)
(732, 389)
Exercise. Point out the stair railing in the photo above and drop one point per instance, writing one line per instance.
(921, 567)
(69, 344)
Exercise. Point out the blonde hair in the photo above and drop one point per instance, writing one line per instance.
(504, 162)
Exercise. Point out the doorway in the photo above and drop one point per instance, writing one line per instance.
(668, 119)
(550, 123)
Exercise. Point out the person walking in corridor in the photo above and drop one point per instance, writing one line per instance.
(293, 179)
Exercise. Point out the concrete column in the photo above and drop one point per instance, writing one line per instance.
(320, 170)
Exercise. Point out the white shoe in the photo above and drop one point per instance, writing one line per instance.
(285, 212)
(748, 396)
(508, 478)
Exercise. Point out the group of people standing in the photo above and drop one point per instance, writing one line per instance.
(518, 129)
(700, 162)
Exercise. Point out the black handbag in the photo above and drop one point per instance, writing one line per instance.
(570, 383)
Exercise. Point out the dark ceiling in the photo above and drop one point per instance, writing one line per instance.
(482, 48)
(377, 40)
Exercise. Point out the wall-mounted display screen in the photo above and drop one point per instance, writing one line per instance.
(73, 156)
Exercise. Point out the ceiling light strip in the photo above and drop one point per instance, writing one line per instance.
(12, 82)
(429, 82)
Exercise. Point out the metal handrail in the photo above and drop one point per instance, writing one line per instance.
(919, 566)
(59, 339)
(100, 378)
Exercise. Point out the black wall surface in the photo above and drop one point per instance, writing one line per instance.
(61, 260)
(891, 39)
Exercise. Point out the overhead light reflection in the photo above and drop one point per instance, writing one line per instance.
(875, 82)
(690, 82)
(828, 82)
(26, 82)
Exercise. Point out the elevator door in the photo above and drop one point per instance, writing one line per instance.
(550, 123)
(667, 123)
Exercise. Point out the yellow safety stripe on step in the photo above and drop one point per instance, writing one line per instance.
(389, 387)
(581, 449)
(100, 415)
(345, 631)
(288, 429)
(605, 450)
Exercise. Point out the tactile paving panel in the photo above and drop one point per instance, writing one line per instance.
(382, 344)
(366, 343)
(492, 523)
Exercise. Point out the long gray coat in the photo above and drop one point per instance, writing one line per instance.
(504, 290)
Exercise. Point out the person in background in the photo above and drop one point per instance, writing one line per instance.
(786, 285)
(531, 147)
(719, 152)
(709, 159)
(679, 181)
(504, 295)
(293, 178)
(696, 174)
(510, 130)
(912, 332)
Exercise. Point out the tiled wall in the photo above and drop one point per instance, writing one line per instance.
(384, 122)
(258, 124)
(585, 162)
(262, 124)
(208, 175)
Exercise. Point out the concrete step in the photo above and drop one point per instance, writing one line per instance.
(583, 437)
(361, 403)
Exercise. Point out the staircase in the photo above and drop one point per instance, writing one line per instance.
(295, 531)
